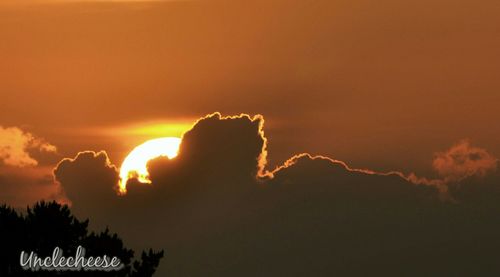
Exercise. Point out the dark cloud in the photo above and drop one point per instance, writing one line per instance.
(91, 180)
(217, 148)
(217, 211)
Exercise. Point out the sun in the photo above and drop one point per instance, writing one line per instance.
(135, 164)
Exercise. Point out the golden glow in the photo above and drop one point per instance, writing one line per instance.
(135, 164)
(158, 129)
(144, 130)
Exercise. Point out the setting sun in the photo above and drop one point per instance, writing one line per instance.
(135, 164)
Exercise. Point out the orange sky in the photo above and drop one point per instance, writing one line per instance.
(378, 84)
(396, 102)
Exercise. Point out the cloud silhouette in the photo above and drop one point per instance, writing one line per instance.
(88, 178)
(217, 210)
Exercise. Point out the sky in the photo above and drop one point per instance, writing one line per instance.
(340, 78)
(404, 91)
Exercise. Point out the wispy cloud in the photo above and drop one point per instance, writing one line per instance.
(463, 160)
(15, 145)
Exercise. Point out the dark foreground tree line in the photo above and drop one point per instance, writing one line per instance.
(47, 225)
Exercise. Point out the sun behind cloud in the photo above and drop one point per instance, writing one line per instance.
(135, 164)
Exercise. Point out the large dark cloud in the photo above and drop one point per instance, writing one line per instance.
(218, 212)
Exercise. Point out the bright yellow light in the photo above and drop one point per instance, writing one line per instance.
(135, 164)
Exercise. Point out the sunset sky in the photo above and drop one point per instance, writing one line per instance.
(383, 85)
(379, 84)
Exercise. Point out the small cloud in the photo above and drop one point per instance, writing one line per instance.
(462, 161)
(15, 145)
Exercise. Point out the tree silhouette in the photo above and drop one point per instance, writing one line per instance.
(47, 225)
